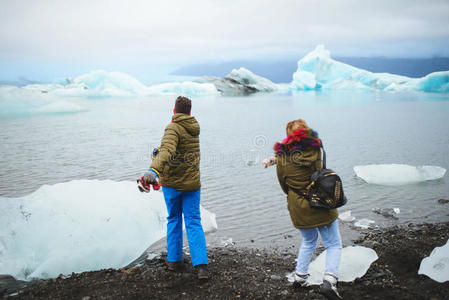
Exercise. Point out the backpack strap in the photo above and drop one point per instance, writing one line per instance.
(324, 155)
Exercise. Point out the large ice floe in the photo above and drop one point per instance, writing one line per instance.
(79, 226)
(355, 262)
(398, 174)
(436, 265)
(317, 70)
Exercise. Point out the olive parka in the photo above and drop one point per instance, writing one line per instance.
(294, 170)
(178, 160)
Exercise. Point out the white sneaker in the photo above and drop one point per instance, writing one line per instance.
(329, 287)
(300, 279)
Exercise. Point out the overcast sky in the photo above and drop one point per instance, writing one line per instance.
(58, 37)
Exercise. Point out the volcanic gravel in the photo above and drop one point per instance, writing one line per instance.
(258, 274)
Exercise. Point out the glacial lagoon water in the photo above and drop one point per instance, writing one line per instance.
(113, 139)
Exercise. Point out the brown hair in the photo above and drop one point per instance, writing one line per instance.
(295, 124)
(183, 105)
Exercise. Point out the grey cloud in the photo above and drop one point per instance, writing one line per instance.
(194, 30)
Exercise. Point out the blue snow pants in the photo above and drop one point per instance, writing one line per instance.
(181, 203)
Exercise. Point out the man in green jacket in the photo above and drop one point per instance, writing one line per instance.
(177, 166)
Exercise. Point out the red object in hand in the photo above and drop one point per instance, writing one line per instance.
(156, 186)
(146, 187)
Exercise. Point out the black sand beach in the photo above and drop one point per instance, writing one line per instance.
(259, 274)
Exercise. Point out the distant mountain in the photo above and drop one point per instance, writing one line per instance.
(282, 71)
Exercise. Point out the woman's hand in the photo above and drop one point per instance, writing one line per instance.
(269, 161)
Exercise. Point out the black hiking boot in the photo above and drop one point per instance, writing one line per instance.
(175, 266)
(329, 287)
(203, 272)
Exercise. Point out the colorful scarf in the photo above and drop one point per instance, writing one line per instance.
(300, 140)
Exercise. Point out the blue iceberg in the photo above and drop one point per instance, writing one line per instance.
(317, 70)
(69, 95)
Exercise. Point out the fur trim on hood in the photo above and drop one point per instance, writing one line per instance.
(301, 139)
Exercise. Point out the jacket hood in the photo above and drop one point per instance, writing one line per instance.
(188, 122)
(300, 140)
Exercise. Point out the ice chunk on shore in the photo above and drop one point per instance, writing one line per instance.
(387, 212)
(436, 265)
(355, 262)
(398, 174)
(346, 216)
(364, 223)
(246, 77)
(317, 70)
(79, 226)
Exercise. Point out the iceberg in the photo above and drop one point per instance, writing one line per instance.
(31, 100)
(227, 86)
(62, 95)
(398, 174)
(436, 265)
(246, 77)
(117, 84)
(95, 84)
(242, 82)
(79, 226)
(355, 262)
(103, 84)
(317, 70)
(109, 83)
(303, 80)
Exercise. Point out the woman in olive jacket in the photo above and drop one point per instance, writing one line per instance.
(297, 157)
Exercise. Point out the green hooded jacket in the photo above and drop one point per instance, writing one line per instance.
(294, 170)
(178, 161)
